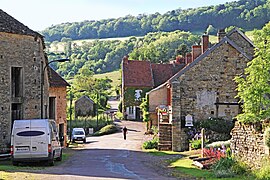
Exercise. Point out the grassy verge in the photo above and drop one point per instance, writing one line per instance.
(8, 171)
(183, 167)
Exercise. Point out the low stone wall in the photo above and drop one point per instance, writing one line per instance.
(247, 143)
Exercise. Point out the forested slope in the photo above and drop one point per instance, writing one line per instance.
(247, 14)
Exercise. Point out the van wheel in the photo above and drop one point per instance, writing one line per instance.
(84, 141)
(15, 163)
(60, 157)
(73, 141)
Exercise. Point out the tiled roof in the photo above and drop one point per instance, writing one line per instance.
(146, 74)
(56, 80)
(9, 24)
(137, 73)
(163, 72)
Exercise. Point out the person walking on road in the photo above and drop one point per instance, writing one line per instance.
(125, 132)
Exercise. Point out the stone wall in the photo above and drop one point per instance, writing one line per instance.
(247, 143)
(25, 52)
(208, 80)
(165, 137)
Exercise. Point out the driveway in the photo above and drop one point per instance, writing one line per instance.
(109, 157)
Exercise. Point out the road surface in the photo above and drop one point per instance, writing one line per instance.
(108, 157)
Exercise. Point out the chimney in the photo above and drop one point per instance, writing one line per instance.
(196, 51)
(205, 42)
(221, 34)
(125, 59)
(188, 58)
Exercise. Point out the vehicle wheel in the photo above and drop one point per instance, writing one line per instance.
(15, 163)
(73, 141)
(60, 157)
(84, 141)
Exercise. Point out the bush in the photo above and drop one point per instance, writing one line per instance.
(151, 144)
(196, 144)
(222, 168)
(267, 137)
(216, 124)
(109, 129)
(264, 171)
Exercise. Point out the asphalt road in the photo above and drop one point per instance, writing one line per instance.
(109, 157)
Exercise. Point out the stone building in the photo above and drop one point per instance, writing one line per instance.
(139, 77)
(84, 106)
(205, 87)
(22, 59)
(58, 103)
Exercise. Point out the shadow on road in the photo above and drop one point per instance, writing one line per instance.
(100, 164)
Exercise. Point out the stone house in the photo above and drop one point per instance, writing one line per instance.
(139, 77)
(84, 106)
(204, 88)
(58, 103)
(22, 60)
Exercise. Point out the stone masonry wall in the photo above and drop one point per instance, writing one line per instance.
(25, 52)
(209, 79)
(165, 137)
(247, 143)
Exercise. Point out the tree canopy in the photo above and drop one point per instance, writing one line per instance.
(246, 14)
(253, 87)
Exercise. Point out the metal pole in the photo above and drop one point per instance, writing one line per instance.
(97, 109)
(70, 114)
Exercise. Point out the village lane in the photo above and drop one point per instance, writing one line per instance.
(109, 157)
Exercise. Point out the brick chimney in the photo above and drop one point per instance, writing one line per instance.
(205, 42)
(221, 34)
(125, 59)
(196, 51)
(188, 58)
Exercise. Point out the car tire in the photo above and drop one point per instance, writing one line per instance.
(60, 157)
(84, 141)
(73, 141)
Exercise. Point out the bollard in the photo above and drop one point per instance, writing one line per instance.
(203, 140)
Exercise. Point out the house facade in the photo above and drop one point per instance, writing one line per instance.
(205, 87)
(139, 77)
(22, 60)
(58, 103)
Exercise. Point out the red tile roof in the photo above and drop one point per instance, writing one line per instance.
(56, 80)
(137, 73)
(146, 74)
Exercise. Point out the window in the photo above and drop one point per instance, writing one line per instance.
(130, 110)
(16, 78)
(16, 112)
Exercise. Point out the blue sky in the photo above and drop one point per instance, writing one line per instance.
(39, 14)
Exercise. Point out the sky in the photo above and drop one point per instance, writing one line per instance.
(40, 14)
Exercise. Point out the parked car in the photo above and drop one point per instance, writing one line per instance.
(35, 140)
(78, 134)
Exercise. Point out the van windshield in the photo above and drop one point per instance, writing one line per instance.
(79, 133)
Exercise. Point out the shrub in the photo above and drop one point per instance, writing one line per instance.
(151, 144)
(264, 171)
(196, 144)
(216, 124)
(222, 168)
(267, 137)
(109, 129)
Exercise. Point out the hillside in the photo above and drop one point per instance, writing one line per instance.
(247, 14)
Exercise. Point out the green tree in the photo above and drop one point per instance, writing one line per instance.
(253, 87)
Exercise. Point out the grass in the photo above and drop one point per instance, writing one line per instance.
(115, 76)
(184, 166)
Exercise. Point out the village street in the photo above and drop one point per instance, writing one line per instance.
(108, 157)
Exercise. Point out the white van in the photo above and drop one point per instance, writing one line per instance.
(35, 140)
(78, 134)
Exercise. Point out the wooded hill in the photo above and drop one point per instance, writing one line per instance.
(246, 14)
